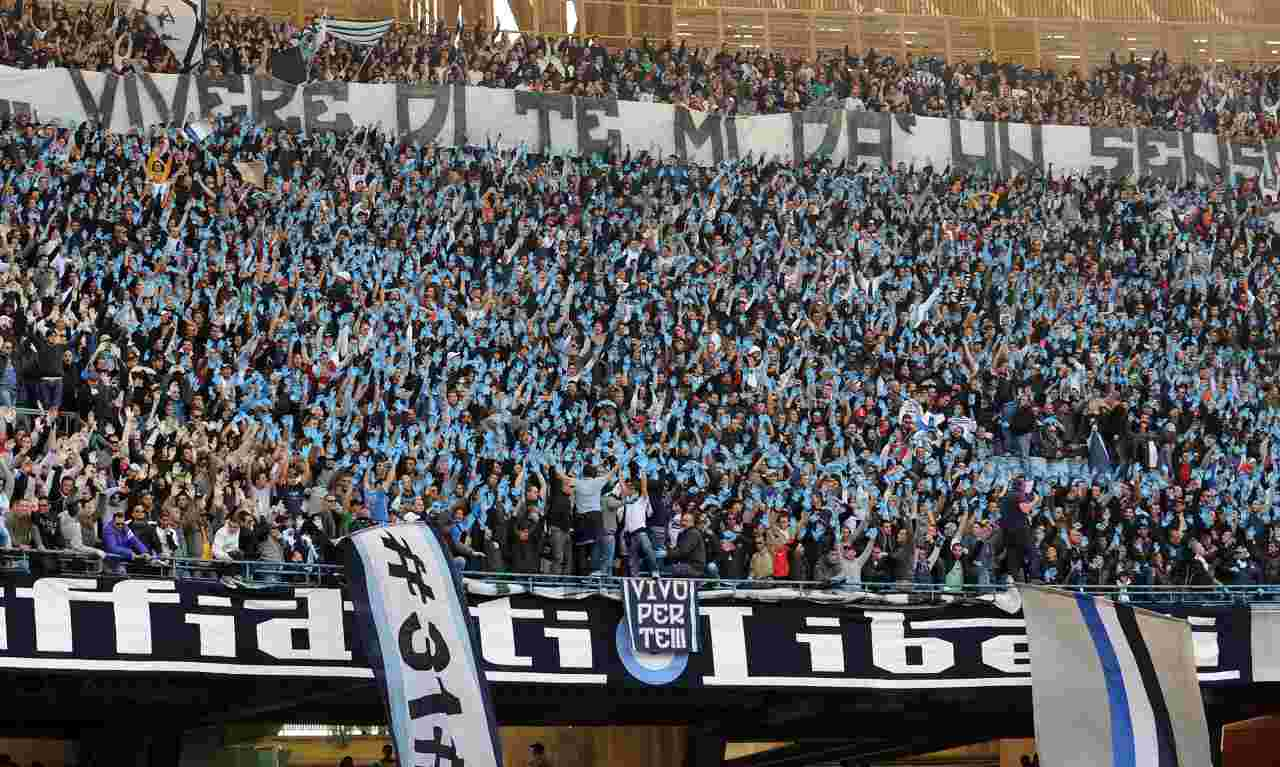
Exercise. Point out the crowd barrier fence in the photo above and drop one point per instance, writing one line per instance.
(262, 573)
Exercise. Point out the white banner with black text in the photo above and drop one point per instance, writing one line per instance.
(414, 628)
(455, 114)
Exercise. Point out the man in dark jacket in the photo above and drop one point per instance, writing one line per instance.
(143, 529)
(1015, 524)
(688, 557)
(97, 395)
(904, 553)
(248, 537)
(1023, 427)
(49, 365)
(525, 550)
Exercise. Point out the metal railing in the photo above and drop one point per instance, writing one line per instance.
(67, 422)
(911, 592)
(259, 573)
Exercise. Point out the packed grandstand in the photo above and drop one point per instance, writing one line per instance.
(815, 370)
(1240, 104)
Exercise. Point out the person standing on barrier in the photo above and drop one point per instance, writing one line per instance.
(587, 492)
(635, 528)
(1015, 524)
(557, 545)
(50, 348)
(982, 551)
(660, 513)
(612, 506)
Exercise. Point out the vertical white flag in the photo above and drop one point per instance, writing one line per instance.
(181, 26)
(1112, 685)
(414, 629)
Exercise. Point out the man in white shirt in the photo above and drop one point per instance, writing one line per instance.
(173, 544)
(635, 527)
(226, 542)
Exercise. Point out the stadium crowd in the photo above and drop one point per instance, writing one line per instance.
(622, 364)
(1241, 104)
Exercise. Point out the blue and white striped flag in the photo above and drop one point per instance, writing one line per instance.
(357, 32)
(1112, 685)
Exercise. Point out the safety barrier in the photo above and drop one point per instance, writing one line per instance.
(258, 572)
(296, 573)
(924, 592)
(67, 422)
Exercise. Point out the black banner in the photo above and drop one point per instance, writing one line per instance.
(662, 615)
(201, 627)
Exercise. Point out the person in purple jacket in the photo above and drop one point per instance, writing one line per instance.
(121, 544)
